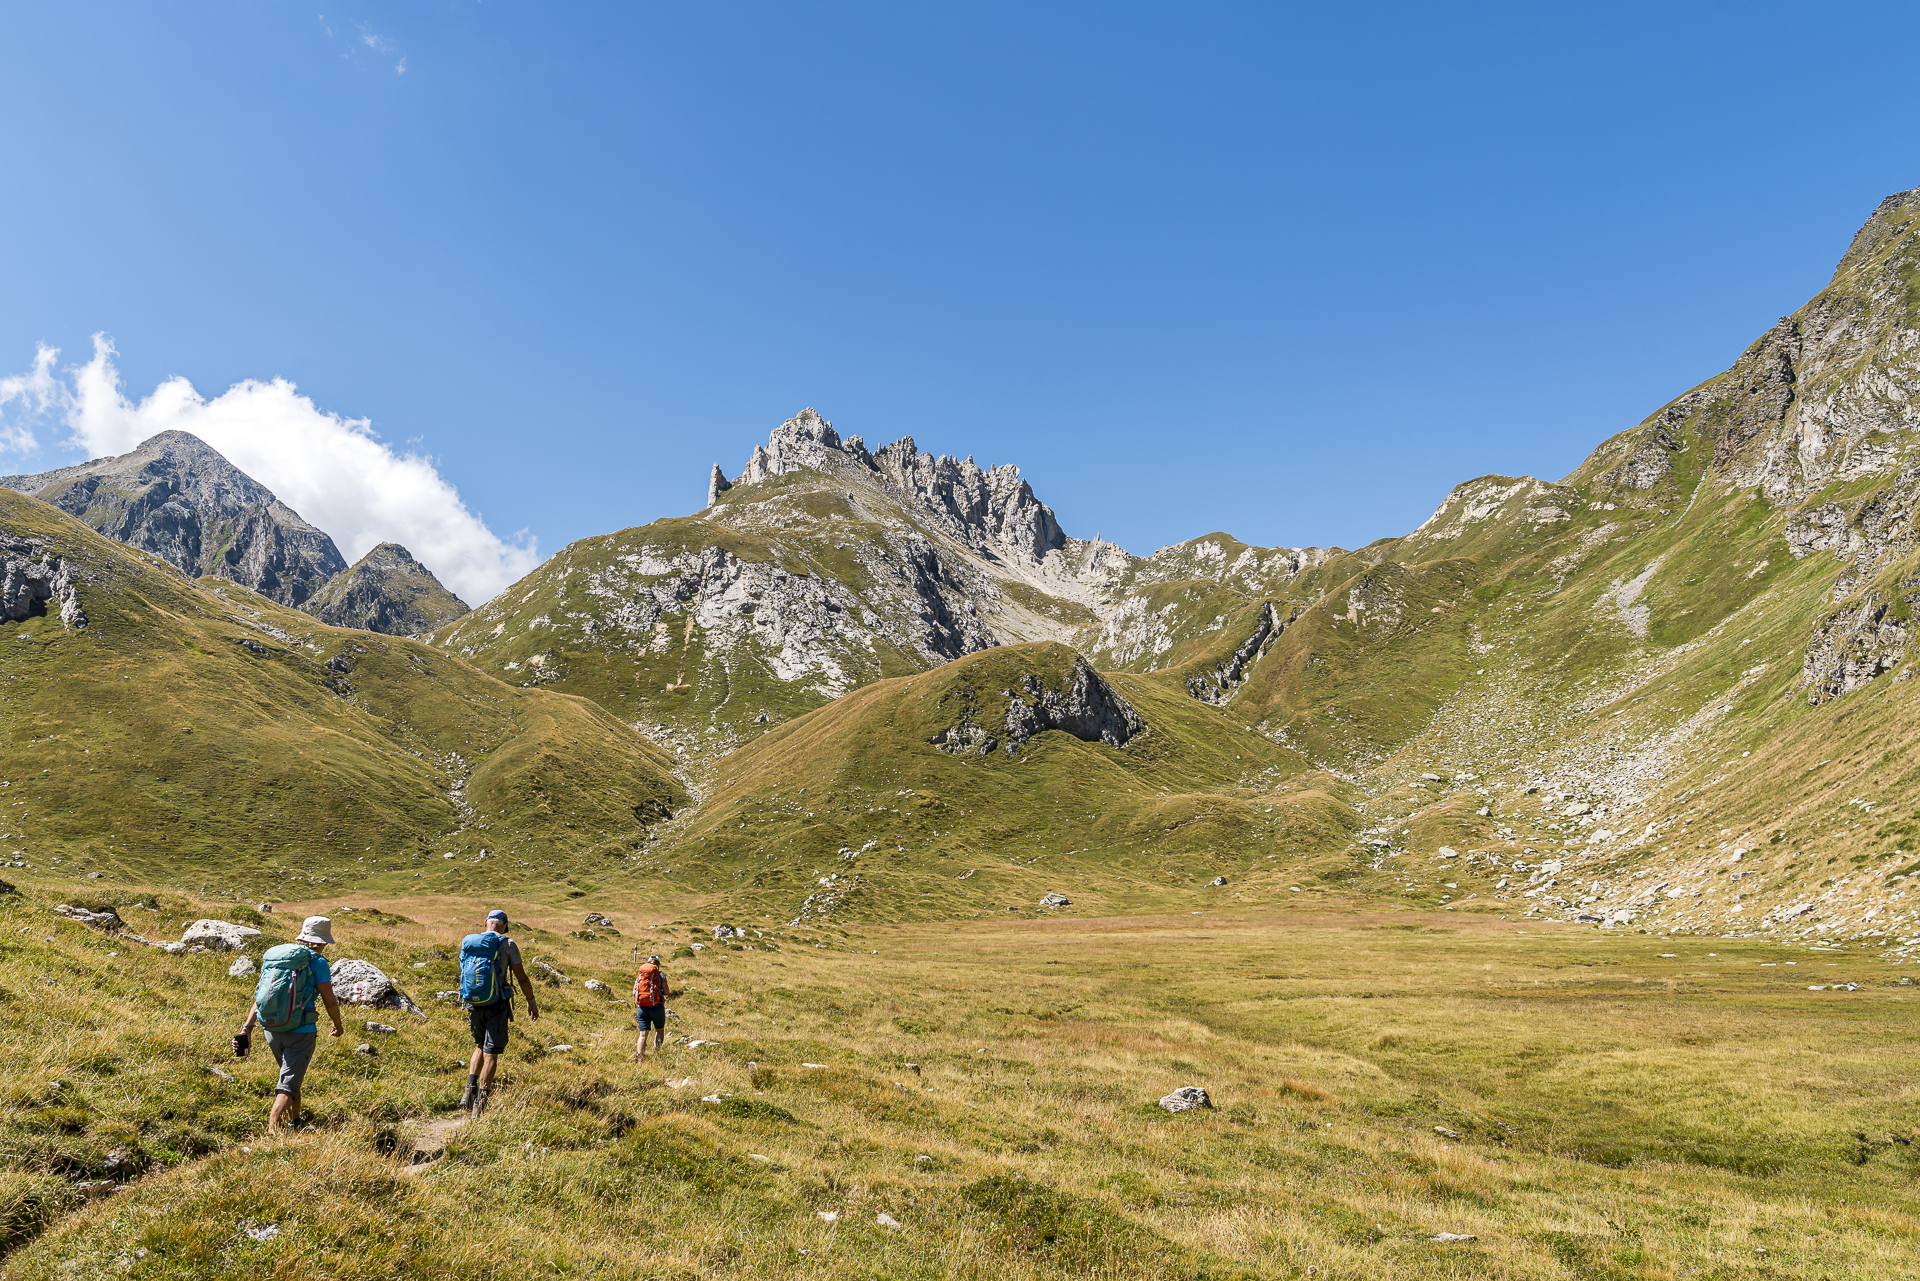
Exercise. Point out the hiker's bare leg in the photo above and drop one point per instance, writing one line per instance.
(640, 1051)
(659, 1037)
(473, 1064)
(486, 1064)
(282, 1104)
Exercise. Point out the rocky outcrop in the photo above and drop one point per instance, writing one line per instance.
(33, 580)
(1217, 686)
(1082, 704)
(803, 626)
(717, 484)
(993, 511)
(388, 591)
(1088, 709)
(176, 497)
(1851, 647)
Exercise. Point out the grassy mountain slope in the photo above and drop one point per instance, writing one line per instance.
(202, 735)
(855, 811)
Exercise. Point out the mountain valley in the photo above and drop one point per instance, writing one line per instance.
(1450, 868)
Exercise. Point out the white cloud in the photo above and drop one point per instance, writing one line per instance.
(332, 470)
(27, 397)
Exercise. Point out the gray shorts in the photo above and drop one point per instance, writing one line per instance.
(292, 1051)
(488, 1023)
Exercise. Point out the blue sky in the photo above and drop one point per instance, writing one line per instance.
(1287, 271)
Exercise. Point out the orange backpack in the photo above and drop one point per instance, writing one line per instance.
(649, 986)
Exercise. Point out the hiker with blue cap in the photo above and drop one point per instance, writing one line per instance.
(489, 963)
(293, 978)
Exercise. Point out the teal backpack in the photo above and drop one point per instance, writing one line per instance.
(483, 969)
(286, 989)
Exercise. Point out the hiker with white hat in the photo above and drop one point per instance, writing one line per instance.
(292, 975)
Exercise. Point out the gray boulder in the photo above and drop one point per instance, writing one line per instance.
(242, 966)
(1055, 899)
(218, 936)
(1186, 1099)
(358, 982)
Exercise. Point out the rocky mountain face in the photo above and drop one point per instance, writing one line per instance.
(388, 591)
(175, 496)
(179, 499)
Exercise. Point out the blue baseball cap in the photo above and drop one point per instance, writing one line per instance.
(497, 915)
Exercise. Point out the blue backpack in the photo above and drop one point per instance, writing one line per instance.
(483, 969)
(286, 989)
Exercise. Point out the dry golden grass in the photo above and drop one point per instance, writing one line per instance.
(1579, 1104)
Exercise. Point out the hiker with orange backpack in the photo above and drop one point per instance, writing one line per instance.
(650, 1006)
(292, 976)
(489, 964)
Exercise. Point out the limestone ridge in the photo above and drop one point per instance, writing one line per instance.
(176, 497)
(389, 591)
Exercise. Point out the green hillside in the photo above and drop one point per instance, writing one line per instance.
(861, 807)
(200, 735)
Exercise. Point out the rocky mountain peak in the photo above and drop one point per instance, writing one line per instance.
(179, 498)
(991, 510)
(387, 590)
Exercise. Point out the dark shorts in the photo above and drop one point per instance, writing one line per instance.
(489, 1024)
(650, 1016)
(293, 1051)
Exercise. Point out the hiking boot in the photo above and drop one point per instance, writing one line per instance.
(466, 1096)
(479, 1102)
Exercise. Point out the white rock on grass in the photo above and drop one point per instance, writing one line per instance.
(1186, 1099)
(218, 936)
(1055, 899)
(241, 967)
(358, 982)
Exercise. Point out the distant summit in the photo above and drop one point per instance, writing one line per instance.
(387, 590)
(992, 511)
(179, 498)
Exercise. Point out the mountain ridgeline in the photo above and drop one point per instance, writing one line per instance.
(1670, 691)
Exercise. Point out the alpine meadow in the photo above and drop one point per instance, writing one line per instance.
(1030, 908)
